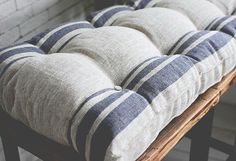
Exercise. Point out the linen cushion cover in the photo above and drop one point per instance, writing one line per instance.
(106, 90)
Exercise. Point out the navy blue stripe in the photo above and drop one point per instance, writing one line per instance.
(35, 40)
(190, 41)
(142, 4)
(39, 36)
(52, 40)
(82, 104)
(230, 28)
(173, 47)
(93, 14)
(217, 23)
(212, 22)
(9, 64)
(107, 15)
(88, 120)
(114, 123)
(15, 45)
(63, 45)
(146, 71)
(129, 75)
(22, 50)
(165, 77)
(209, 46)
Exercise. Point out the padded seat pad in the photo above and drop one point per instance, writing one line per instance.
(107, 86)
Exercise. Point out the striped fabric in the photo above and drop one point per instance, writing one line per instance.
(225, 24)
(106, 16)
(153, 22)
(11, 59)
(10, 55)
(53, 40)
(201, 16)
(140, 4)
(103, 90)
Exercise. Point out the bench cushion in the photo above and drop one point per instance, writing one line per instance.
(107, 86)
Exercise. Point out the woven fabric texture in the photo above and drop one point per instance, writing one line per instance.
(108, 85)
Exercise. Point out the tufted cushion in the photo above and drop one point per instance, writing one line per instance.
(106, 89)
(201, 15)
(155, 26)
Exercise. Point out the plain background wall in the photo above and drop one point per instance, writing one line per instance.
(22, 19)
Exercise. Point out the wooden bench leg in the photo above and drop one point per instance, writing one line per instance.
(10, 149)
(200, 136)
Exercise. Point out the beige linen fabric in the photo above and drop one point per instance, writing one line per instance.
(117, 50)
(104, 90)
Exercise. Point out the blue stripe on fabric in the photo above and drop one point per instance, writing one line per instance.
(217, 23)
(35, 40)
(142, 4)
(209, 46)
(88, 120)
(52, 40)
(229, 28)
(82, 104)
(93, 14)
(9, 64)
(129, 75)
(146, 71)
(212, 22)
(165, 77)
(108, 14)
(11, 46)
(22, 50)
(64, 44)
(39, 36)
(177, 43)
(114, 123)
(190, 41)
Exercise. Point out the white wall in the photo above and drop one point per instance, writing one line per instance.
(22, 19)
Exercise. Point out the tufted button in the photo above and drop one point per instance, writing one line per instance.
(118, 88)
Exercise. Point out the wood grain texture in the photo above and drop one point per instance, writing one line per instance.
(172, 134)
